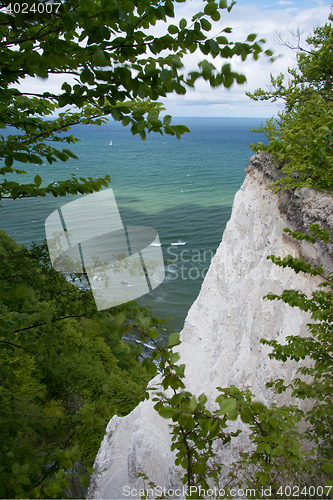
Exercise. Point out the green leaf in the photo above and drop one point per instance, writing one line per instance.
(222, 40)
(166, 412)
(261, 447)
(193, 403)
(16, 468)
(214, 430)
(228, 80)
(66, 87)
(216, 16)
(233, 415)
(257, 407)
(186, 421)
(9, 161)
(214, 47)
(174, 358)
(263, 478)
(173, 29)
(210, 7)
(140, 111)
(246, 416)
(169, 130)
(226, 405)
(87, 76)
(202, 399)
(98, 58)
(166, 120)
(328, 467)
(277, 451)
(37, 180)
(153, 333)
(206, 68)
(205, 24)
(63, 100)
(84, 481)
(174, 339)
(153, 115)
(273, 421)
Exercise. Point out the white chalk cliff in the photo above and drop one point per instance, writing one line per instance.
(220, 340)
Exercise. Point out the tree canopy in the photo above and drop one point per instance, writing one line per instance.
(119, 68)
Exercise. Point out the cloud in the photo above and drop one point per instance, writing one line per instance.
(244, 18)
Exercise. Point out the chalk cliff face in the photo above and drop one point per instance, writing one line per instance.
(220, 340)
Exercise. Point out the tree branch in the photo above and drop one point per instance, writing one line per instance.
(296, 35)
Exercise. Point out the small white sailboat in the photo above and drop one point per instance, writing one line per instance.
(110, 143)
(178, 243)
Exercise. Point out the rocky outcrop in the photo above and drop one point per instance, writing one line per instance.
(220, 340)
(300, 208)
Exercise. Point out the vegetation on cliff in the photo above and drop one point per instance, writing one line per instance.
(301, 137)
(282, 461)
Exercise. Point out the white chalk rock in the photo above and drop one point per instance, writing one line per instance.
(220, 341)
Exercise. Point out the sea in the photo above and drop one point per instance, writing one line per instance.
(184, 189)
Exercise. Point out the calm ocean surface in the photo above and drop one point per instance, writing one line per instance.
(183, 189)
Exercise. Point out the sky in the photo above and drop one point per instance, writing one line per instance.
(266, 18)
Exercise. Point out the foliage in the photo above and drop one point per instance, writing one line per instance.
(300, 141)
(64, 372)
(313, 74)
(300, 138)
(196, 431)
(275, 458)
(318, 347)
(110, 64)
(276, 463)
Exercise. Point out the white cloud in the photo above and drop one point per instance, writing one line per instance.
(264, 20)
(266, 24)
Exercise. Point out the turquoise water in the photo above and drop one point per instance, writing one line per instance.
(183, 189)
